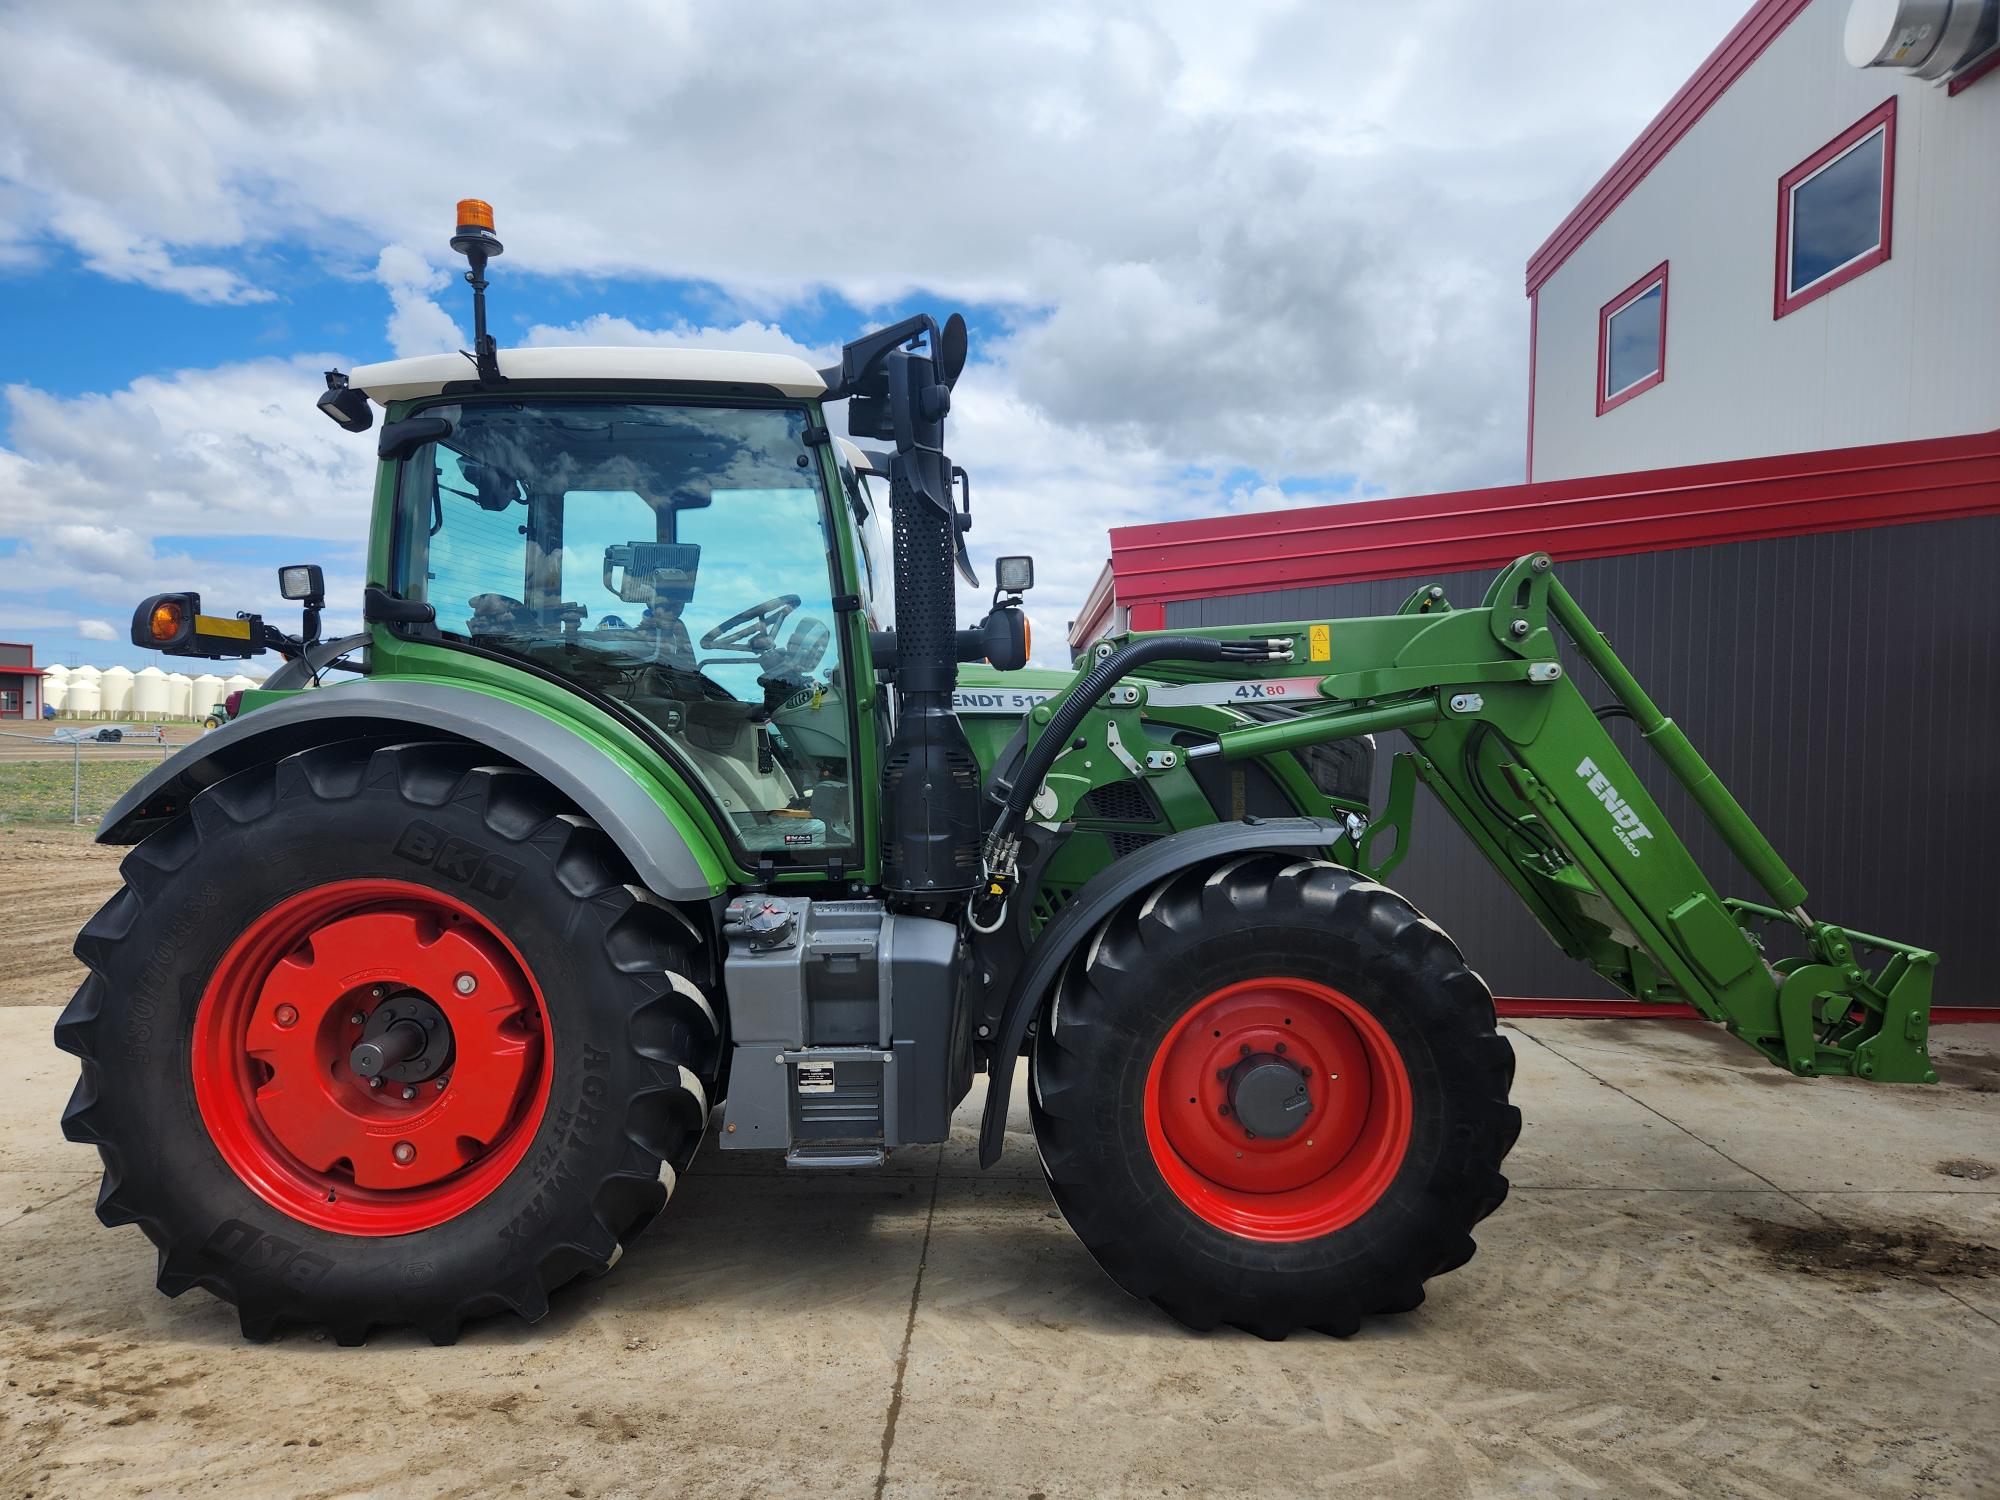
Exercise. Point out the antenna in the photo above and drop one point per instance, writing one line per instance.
(476, 241)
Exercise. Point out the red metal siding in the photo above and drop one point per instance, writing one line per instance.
(1794, 494)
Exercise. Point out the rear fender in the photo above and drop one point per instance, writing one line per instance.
(1109, 889)
(666, 846)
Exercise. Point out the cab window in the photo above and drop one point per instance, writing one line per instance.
(673, 559)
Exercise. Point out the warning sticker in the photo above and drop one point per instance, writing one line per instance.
(1319, 642)
(815, 1078)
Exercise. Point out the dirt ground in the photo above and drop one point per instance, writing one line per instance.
(52, 877)
(1711, 1279)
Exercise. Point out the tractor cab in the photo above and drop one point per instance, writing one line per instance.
(685, 560)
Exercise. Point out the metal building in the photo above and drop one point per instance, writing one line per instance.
(1798, 252)
(1764, 447)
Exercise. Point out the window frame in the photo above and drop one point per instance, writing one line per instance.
(1881, 118)
(1655, 277)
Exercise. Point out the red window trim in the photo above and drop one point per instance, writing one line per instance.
(1883, 118)
(1655, 277)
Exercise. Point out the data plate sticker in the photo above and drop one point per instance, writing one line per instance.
(815, 1078)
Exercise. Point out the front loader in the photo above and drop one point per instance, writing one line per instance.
(644, 810)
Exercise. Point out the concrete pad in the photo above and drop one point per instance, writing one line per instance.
(1578, 1132)
(37, 1084)
(1602, 1342)
(1799, 1134)
(1634, 1324)
(24, 1193)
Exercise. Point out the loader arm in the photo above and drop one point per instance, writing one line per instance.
(1502, 735)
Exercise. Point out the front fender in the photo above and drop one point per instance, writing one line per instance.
(666, 847)
(1106, 891)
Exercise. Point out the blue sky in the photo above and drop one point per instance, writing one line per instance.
(1212, 261)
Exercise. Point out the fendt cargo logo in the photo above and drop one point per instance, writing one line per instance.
(1624, 822)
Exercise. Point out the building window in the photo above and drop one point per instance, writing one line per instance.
(1632, 340)
(1834, 210)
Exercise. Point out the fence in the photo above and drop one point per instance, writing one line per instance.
(75, 769)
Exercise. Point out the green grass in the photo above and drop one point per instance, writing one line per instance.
(38, 791)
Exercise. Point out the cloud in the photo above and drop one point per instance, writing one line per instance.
(1279, 236)
(417, 325)
(96, 630)
(1218, 258)
(750, 336)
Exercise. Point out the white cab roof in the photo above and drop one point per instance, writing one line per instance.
(428, 374)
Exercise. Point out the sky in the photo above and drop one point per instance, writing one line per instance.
(1214, 257)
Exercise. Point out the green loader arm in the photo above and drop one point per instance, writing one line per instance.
(1504, 738)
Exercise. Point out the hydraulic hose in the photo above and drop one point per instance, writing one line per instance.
(1095, 684)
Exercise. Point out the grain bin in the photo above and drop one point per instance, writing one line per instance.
(55, 690)
(114, 686)
(203, 694)
(81, 696)
(149, 694)
(180, 695)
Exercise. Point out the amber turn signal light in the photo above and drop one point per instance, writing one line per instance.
(168, 619)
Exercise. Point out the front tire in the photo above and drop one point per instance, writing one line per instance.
(1270, 1094)
(568, 1062)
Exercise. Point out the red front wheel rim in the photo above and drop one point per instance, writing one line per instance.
(1310, 1063)
(273, 1047)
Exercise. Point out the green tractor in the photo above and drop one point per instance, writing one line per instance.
(635, 813)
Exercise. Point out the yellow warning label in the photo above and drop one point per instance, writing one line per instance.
(1319, 642)
(216, 625)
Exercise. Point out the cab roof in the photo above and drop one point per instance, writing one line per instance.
(429, 374)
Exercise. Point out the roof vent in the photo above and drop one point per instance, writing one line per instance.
(1930, 39)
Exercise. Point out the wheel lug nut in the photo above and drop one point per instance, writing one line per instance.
(286, 1015)
(375, 1083)
(378, 992)
(441, 1083)
(1244, 1050)
(465, 984)
(359, 1018)
(409, 1091)
(1280, 1047)
(404, 1153)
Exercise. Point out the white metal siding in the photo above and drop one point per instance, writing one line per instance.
(1909, 350)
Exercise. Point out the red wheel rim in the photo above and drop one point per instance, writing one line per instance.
(1346, 1135)
(300, 1127)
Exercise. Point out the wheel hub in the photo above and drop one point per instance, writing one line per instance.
(371, 1057)
(406, 1040)
(1278, 1108)
(1269, 1095)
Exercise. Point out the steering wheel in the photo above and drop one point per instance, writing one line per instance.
(754, 629)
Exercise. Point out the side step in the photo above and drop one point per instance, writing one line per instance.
(836, 1157)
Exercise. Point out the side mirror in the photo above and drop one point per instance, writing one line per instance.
(1014, 575)
(1002, 640)
(174, 624)
(401, 439)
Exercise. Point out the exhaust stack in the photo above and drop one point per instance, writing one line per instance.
(930, 778)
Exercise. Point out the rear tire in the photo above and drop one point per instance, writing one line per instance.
(1362, 1186)
(549, 1141)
